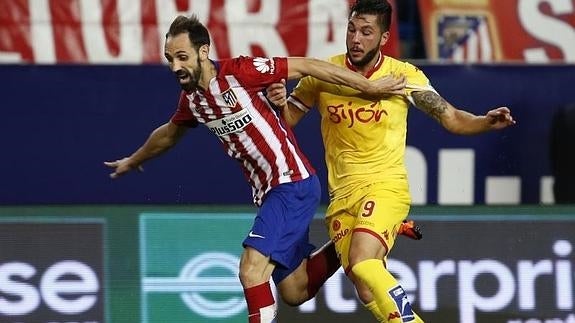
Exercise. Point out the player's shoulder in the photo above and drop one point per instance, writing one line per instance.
(338, 59)
(401, 66)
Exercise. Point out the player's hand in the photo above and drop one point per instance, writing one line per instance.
(277, 94)
(500, 118)
(122, 166)
(390, 84)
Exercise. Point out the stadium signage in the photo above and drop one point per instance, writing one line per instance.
(132, 31)
(521, 271)
(51, 272)
(513, 287)
(60, 293)
(537, 31)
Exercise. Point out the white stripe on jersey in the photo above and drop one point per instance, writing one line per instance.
(203, 103)
(268, 133)
(264, 167)
(246, 141)
(291, 147)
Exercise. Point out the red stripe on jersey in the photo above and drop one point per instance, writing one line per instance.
(291, 137)
(234, 108)
(251, 165)
(280, 133)
(258, 139)
(183, 115)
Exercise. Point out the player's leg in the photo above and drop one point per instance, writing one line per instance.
(303, 283)
(321, 265)
(255, 273)
(379, 216)
(300, 273)
(277, 234)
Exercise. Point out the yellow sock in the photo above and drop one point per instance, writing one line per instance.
(417, 318)
(388, 294)
(374, 309)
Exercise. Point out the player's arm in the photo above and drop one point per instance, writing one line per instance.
(459, 121)
(277, 94)
(328, 72)
(291, 114)
(160, 140)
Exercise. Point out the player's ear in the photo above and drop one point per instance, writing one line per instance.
(204, 51)
(384, 38)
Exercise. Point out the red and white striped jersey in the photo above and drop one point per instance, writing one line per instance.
(235, 109)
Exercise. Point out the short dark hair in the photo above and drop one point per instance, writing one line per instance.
(197, 32)
(381, 8)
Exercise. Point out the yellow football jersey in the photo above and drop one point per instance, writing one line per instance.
(364, 138)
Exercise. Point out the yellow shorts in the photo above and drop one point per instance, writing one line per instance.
(378, 209)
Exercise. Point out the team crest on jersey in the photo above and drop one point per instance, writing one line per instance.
(230, 98)
(264, 65)
(232, 123)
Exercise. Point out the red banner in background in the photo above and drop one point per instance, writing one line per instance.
(535, 31)
(132, 31)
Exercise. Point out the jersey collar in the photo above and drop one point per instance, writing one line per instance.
(372, 70)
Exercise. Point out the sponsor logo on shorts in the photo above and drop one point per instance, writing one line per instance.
(335, 225)
(253, 235)
(366, 223)
(338, 236)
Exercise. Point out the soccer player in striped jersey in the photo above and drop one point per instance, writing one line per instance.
(364, 140)
(227, 97)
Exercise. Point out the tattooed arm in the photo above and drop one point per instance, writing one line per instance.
(459, 121)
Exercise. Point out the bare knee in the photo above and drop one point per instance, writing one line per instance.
(365, 246)
(255, 268)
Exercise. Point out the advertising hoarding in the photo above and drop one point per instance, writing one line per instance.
(52, 271)
(132, 31)
(467, 269)
(189, 267)
(534, 31)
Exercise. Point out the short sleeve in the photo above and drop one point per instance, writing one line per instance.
(183, 116)
(258, 72)
(303, 95)
(416, 80)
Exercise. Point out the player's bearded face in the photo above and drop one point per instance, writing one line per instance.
(189, 76)
(184, 61)
(363, 39)
(361, 61)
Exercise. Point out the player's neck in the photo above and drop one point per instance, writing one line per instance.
(209, 71)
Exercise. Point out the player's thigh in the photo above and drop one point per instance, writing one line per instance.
(339, 223)
(379, 214)
(293, 288)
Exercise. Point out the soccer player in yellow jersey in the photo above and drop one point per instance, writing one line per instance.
(365, 139)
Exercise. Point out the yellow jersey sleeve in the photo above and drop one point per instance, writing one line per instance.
(304, 94)
(416, 80)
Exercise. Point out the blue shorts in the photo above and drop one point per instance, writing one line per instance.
(281, 227)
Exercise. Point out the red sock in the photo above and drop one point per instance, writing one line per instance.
(260, 297)
(320, 266)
